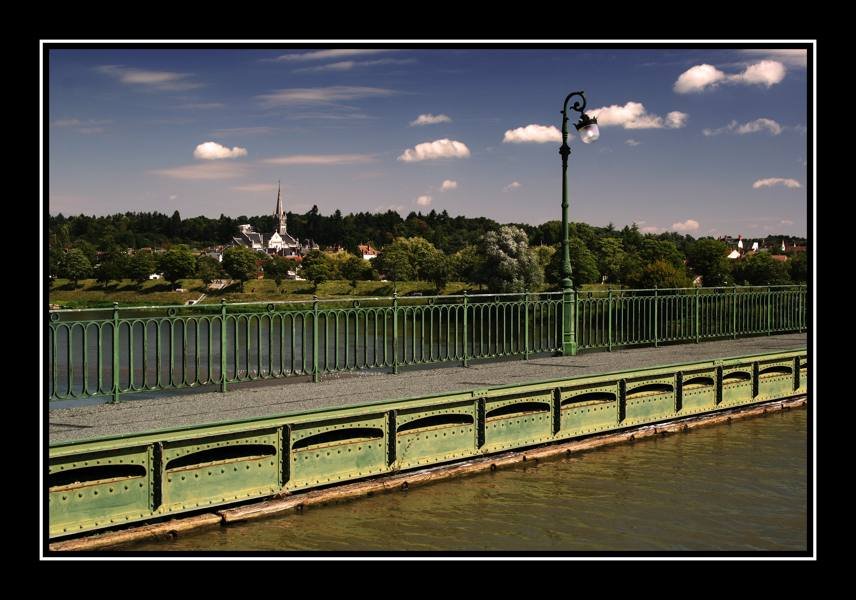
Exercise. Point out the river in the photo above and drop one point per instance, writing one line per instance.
(736, 487)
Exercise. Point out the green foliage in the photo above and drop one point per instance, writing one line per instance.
(278, 267)
(611, 256)
(798, 267)
(208, 269)
(140, 266)
(412, 258)
(760, 269)
(583, 265)
(113, 267)
(708, 257)
(652, 250)
(318, 268)
(355, 268)
(240, 263)
(177, 263)
(510, 266)
(662, 274)
(75, 266)
(467, 264)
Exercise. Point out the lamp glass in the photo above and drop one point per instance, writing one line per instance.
(589, 133)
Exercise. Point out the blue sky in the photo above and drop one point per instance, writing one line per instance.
(705, 142)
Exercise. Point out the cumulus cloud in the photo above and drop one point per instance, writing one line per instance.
(791, 57)
(688, 225)
(204, 171)
(650, 229)
(632, 142)
(320, 95)
(702, 77)
(512, 186)
(771, 181)
(762, 124)
(320, 159)
(423, 201)
(444, 148)
(538, 134)
(215, 151)
(634, 116)
(159, 80)
(429, 119)
(449, 184)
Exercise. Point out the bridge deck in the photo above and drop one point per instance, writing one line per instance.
(140, 413)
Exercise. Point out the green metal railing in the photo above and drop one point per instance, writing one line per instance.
(617, 318)
(137, 349)
(97, 352)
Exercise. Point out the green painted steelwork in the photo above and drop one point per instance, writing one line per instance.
(136, 349)
(100, 483)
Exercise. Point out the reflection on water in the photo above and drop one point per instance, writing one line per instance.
(729, 487)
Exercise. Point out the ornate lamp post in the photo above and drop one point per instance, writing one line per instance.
(588, 132)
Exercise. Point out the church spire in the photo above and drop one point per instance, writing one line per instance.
(280, 213)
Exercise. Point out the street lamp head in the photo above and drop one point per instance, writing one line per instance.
(587, 128)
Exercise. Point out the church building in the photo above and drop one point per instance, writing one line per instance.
(279, 242)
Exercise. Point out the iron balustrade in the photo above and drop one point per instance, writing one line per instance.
(118, 351)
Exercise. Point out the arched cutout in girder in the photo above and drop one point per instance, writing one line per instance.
(354, 434)
(222, 453)
(736, 376)
(700, 380)
(513, 409)
(437, 421)
(95, 475)
(776, 370)
(591, 397)
(651, 387)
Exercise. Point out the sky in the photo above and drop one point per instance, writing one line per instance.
(699, 141)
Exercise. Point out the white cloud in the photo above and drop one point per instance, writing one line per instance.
(444, 148)
(88, 126)
(241, 131)
(429, 119)
(159, 80)
(650, 229)
(786, 222)
(347, 65)
(634, 116)
(512, 186)
(320, 159)
(449, 184)
(702, 77)
(214, 151)
(762, 124)
(766, 72)
(204, 171)
(791, 57)
(392, 207)
(632, 142)
(697, 78)
(255, 187)
(771, 181)
(538, 134)
(423, 201)
(327, 54)
(173, 197)
(66, 123)
(688, 225)
(322, 95)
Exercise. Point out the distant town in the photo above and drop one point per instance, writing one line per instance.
(130, 251)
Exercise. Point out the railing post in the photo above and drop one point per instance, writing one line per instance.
(315, 371)
(609, 319)
(115, 352)
(526, 324)
(223, 365)
(656, 320)
(697, 314)
(769, 310)
(569, 316)
(734, 312)
(466, 337)
(395, 331)
(802, 307)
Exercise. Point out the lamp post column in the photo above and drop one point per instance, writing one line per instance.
(569, 337)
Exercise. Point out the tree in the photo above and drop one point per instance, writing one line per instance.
(318, 268)
(651, 250)
(583, 265)
(467, 264)
(355, 268)
(240, 263)
(510, 266)
(611, 257)
(662, 274)
(140, 266)
(278, 267)
(798, 266)
(75, 266)
(709, 258)
(394, 261)
(760, 269)
(177, 263)
(208, 269)
(112, 268)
